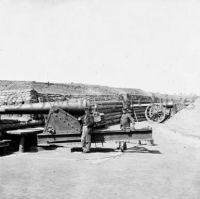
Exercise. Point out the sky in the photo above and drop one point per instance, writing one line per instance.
(152, 45)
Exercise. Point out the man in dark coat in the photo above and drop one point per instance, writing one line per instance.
(88, 122)
(126, 120)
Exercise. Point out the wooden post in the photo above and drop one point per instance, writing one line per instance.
(21, 144)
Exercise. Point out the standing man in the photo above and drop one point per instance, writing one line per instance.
(88, 122)
(126, 120)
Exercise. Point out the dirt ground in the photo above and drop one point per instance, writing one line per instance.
(170, 169)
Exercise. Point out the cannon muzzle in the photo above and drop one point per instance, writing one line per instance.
(71, 106)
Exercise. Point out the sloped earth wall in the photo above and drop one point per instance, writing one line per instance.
(186, 121)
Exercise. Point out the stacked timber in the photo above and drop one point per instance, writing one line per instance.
(101, 98)
(140, 100)
(139, 113)
(11, 97)
(111, 110)
(54, 97)
(50, 97)
(19, 125)
(18, 97)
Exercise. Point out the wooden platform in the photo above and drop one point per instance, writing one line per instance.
(35, 136)
(120, 135)
(27, 137)
(4, 144)
(99, 136)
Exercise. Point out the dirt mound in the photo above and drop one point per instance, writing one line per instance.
(187, 121)
(68, 89)
(84, 89)
(6, 85)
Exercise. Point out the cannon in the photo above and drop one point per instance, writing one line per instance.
(62, 115)
(71, 106)
(62, 125)
(159, 112)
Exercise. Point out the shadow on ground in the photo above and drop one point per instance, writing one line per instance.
(50, 147)
(7, 153)
(93, 150)
(135, 149)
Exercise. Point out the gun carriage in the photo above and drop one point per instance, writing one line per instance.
(61, 123)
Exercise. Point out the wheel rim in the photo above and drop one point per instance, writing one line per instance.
(155, 113)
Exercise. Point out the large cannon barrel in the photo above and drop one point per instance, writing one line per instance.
(71, 106)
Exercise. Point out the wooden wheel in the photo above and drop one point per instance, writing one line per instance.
(155, 113)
